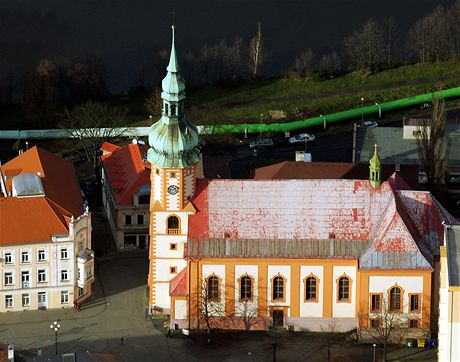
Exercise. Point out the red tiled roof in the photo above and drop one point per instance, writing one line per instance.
(57, 175)
(107, 149)
(316, 209)
(178, 284)
(333, 170)
(35, 219)
(126, 173)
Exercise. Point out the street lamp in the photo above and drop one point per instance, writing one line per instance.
(324, 120)
(374, 345)
(362, 110)
(55, 326)
(380, 109)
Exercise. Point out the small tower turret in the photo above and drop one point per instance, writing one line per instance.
(375, 176)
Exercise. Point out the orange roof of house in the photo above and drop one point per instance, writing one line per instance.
(35, 219)
(126, 173)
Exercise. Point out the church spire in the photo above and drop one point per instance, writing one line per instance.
(173, 65)
(173, 140)
(375, 169)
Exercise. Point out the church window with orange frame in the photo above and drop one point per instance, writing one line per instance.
(311, 283)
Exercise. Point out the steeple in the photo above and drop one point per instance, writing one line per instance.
(173, 140)
(375, 169)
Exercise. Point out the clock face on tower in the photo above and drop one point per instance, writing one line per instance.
(173, 190)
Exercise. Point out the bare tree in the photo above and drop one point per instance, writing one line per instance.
(329, 66)
(153, 103)
(391, 30)
(431, 144)
(385, 326)
(429, 38)
(304, 63)
(236, 51)
(365, 47)
(91, 124)
(256, 51)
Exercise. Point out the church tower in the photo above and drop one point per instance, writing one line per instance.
(175, 160)
(375, 176)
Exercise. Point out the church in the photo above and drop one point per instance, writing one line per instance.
(317, 255)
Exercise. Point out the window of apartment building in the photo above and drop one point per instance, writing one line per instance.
(375, 323)
(172, 270)
(64, 275)
(89, 273)
(64, 297)
(64, 254)
(25, 256)
(25, 279)
(140, 219)
(157, 171)
(414, 323)
(8, 278)
(212, 288)
(172, 175)
(26, 300)
(246, 288)
(8, 301)
(81, 291)
(8, 257)
(78, 273)
(395, 296)
(278, 285)
(311, 288)
(128, 220)
(376, 303)
(343, 289)
(173, 246)
(41, 255)
(41, 275)
(414, 303)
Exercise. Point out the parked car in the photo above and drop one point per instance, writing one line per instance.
(369, 124)
(302, 138)
(261, 143)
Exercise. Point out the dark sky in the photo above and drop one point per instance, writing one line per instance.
(128, 34)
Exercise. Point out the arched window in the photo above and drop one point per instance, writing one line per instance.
(395, 299)
(212, 288)
(343, 289)
(173, 225)
(278, 288)
(246, 288)
(311, 288)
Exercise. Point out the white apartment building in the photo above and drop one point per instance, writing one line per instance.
(46, 259)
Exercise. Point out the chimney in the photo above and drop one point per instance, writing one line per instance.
(331, 244)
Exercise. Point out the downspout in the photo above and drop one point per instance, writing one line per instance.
(451, 322)
(189, 289)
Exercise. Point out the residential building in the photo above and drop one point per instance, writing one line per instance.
(398, 145)
(45, 234)
(449, 304)
(126, 194)
(311, 254)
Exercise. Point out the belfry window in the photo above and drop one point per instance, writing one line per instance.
(173, 110)
(173, 225)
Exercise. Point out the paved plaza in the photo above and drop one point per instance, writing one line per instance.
(117, 309)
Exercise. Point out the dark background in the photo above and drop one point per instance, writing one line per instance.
(126, 35)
